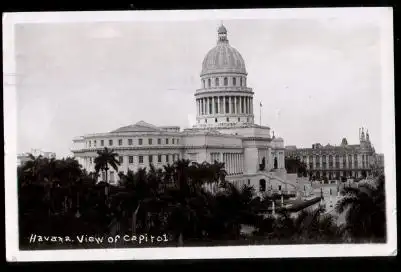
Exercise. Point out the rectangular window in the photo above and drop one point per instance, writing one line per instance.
(167, 158)
(131, 159)
(89, 143)
(159, 141)
(150, 158)
(139, 141)
(120, 142)
(129, 141)
(120, 159)
(167, 141)
(140, 159)
(111, 176)
(159, 158)
(110, 142)
(149, 141)
(102, 142)
(173, 140)
(94, 143)
(178, 141)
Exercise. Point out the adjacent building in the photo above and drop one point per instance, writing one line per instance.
(225, 130)
(333, 162)
(24, 157)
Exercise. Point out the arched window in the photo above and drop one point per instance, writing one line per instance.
(234, 81)
(217, 82)
(225, 81)
(209, 82)
(240, 81)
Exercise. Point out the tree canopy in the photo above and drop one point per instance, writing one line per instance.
(191, 203)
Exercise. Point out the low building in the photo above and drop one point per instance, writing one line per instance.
(334, 162)
(24, 157)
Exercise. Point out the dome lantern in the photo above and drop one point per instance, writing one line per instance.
(222, 34)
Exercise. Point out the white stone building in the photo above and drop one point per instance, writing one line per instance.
(225, 130)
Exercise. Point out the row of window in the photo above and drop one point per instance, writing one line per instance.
(216, 82)
(228, 120)
(337, 165)
(337, 158)
(131, 142)
(151, 158)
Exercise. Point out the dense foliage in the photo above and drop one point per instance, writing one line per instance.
(58, 197)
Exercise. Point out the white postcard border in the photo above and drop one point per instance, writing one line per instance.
(272, 251)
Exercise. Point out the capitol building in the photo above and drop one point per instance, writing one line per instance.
(225, 130)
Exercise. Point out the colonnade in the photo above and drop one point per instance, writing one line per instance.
(224, 105)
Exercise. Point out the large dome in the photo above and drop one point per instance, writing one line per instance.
(223, 58)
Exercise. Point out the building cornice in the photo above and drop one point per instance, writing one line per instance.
(225, 91)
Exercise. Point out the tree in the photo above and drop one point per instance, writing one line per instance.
(105, 158)
(365, 210)
(294, 165)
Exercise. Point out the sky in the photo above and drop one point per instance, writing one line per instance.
(319, 79)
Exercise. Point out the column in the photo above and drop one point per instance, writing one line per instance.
(218, 105)
(240, 104)
(229, 105)
(241, 163)
(251, 106)
(314, 161)
(236, 163)
(231, 163)
(206, 106)
(224, 104)
(246, 104)
(213, 106)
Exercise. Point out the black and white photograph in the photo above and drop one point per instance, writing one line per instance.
(199, 134)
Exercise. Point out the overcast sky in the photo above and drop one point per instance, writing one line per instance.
(319, 80)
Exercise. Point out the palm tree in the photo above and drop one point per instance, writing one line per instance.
(365, 210)
(105, 158)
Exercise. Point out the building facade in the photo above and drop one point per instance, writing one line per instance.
(224, 131)
(334, 162)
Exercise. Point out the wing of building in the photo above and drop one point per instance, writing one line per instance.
(225, 130)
